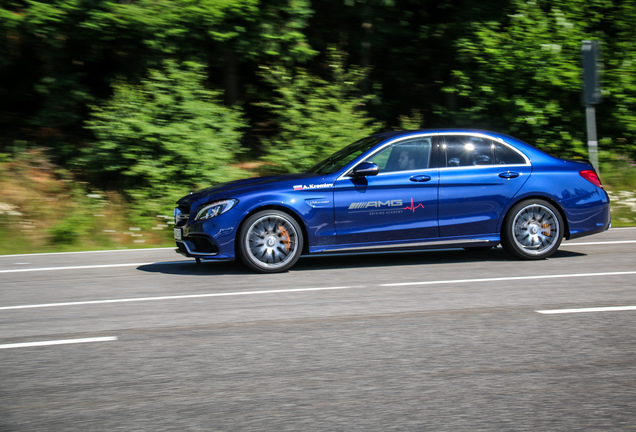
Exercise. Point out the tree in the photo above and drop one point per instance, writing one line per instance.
(315, 116)
(617, 112)
(523, 76)
(167, 133)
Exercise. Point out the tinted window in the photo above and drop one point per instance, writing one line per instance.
(504, 155)
(413, 154)
(342, 157)
(460, 150)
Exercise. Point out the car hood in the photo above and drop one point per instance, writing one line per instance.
(237, 187)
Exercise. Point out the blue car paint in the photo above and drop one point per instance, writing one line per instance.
(445, 205)
(386, 207)
(471, 201)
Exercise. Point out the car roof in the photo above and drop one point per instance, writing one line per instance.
(529, 150)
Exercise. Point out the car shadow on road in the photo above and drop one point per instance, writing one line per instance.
(191, 268)
(348, 261)
(386, 259)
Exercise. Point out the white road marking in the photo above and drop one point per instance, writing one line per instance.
(295, 290)
(598, 243)
(59, 342)
(178, 297)
(509, 278)
(87, 252)
(23, 270)
(591, 309)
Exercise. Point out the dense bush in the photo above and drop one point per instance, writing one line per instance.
(314, 116)
(163, 135)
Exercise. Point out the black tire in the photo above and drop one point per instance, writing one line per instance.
(270, 241)
(532, 230)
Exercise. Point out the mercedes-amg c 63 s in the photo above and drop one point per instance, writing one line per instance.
(399, 191)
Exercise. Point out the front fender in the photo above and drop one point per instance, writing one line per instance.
(312, 209)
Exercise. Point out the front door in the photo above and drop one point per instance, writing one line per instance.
(398, 204)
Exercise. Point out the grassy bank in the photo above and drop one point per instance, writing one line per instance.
(45, 209)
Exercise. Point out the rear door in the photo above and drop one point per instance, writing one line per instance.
(478, 178)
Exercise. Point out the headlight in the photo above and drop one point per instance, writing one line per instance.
(215, 209)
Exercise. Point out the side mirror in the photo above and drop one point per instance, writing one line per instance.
(365, 169)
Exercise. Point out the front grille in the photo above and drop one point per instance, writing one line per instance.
(203, 244)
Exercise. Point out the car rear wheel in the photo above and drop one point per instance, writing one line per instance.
(532, 230)
(270, 241)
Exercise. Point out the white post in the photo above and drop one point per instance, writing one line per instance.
(592, 140)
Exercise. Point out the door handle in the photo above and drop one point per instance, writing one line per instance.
(420, 178)
(509, 175)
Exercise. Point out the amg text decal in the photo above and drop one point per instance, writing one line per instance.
(375, 204)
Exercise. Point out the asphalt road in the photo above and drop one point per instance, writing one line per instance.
(426, 341)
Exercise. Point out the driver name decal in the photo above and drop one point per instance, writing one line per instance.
(313, 186)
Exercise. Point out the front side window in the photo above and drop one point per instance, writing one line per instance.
(407, 155)
(342, 157)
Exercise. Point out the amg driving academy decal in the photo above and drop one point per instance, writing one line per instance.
(313, 186)
(377, 208)
(383, 207)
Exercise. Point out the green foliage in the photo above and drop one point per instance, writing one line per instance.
(509, 65)
(281, 31)
(523, 75)
(315, 116)
(618, 175)
(44, 208)
(58, 57)
(617, 112)
(618, 172)
(413, 122)
(164, 134)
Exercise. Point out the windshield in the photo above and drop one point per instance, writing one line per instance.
(342, 157)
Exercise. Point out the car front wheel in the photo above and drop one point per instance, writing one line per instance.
(270, 241)
(532, 230)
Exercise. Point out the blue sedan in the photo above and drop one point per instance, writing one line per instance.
(399, 191)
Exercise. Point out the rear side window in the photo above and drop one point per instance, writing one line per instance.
(462, 151)
(467, 150)
(504, 155)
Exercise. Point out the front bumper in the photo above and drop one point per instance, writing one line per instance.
(197, 246)
(210, 239)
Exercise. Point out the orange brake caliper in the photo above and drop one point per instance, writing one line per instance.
(546, 229)
(285, 235)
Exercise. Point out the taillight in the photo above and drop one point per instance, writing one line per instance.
(592, 177)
